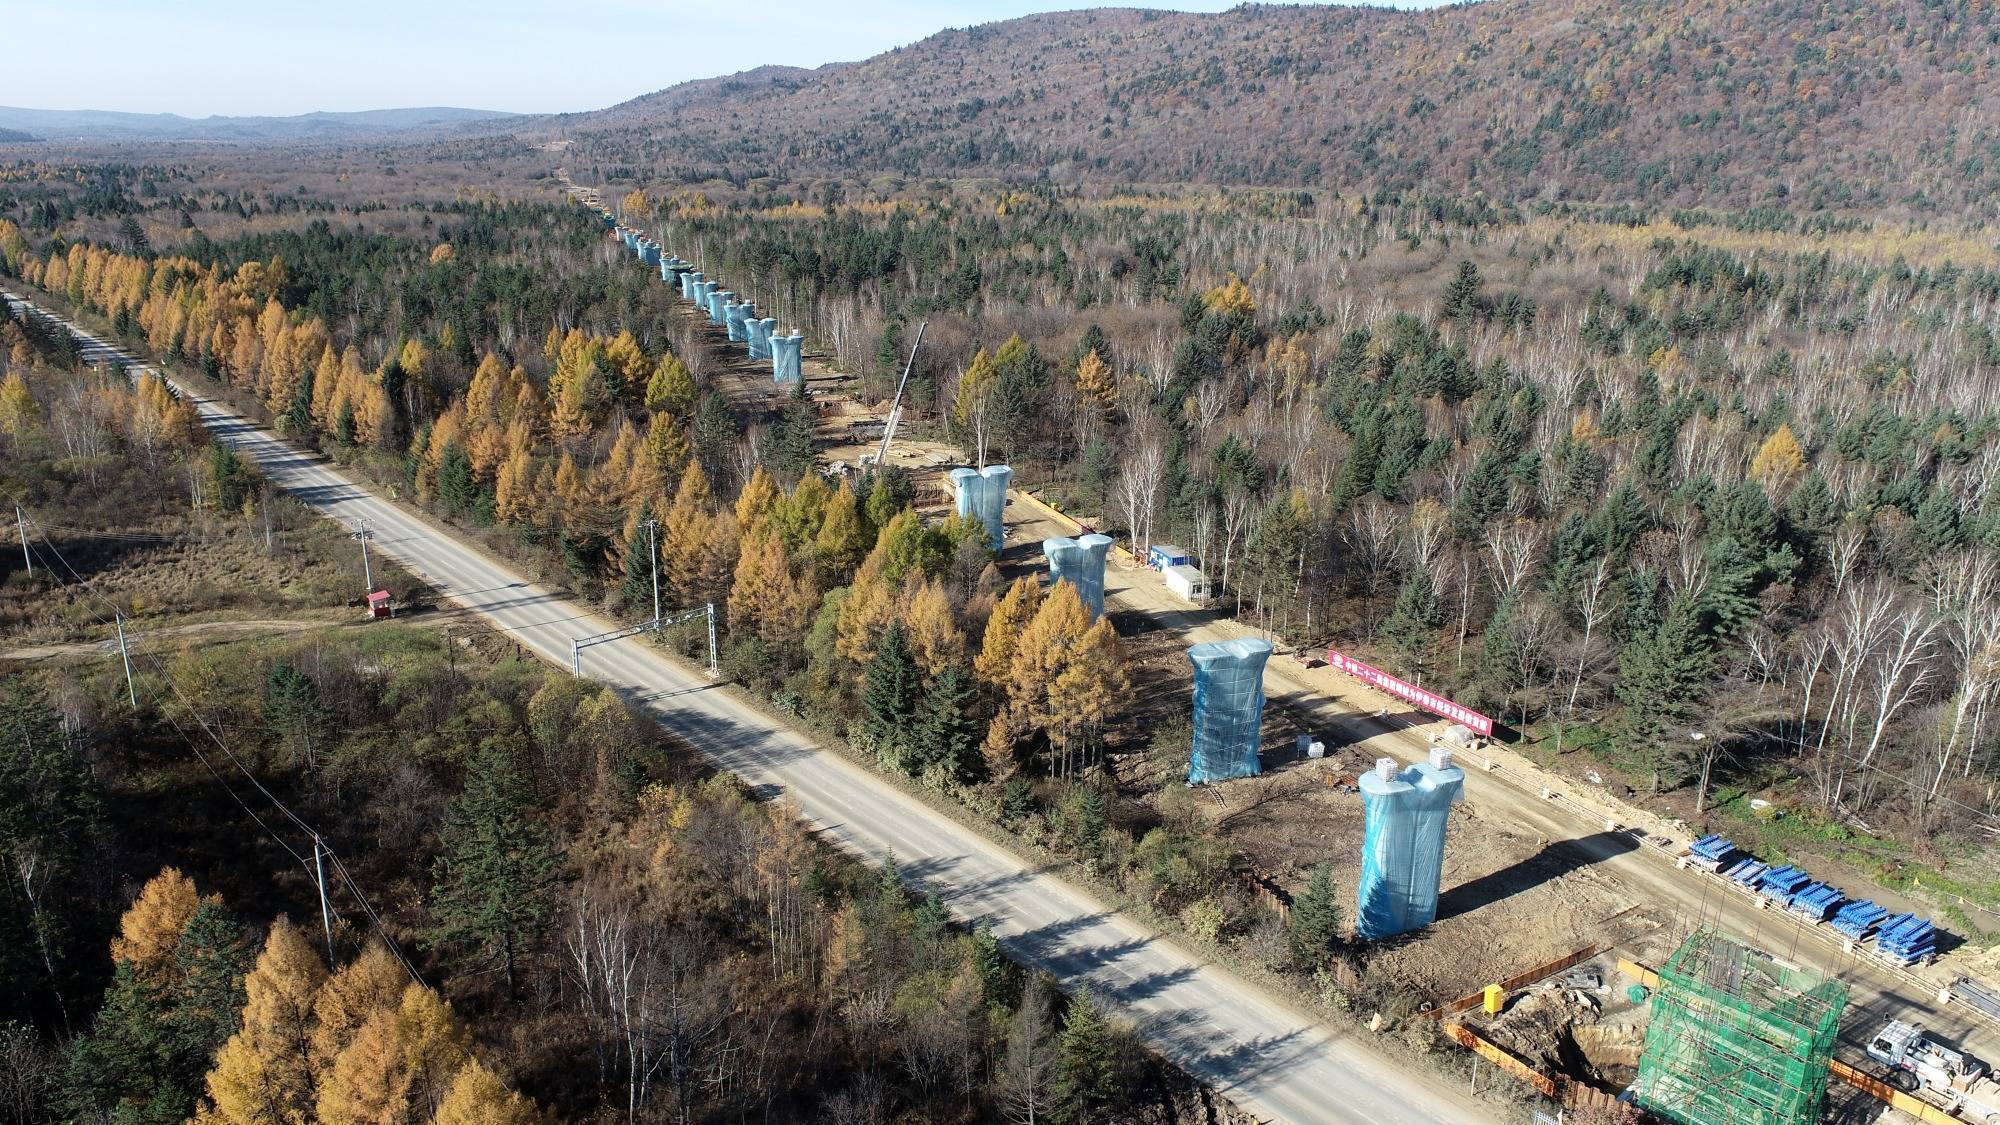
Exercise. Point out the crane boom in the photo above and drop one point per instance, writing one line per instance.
(896, 404)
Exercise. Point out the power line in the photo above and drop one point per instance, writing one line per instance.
(381, 931)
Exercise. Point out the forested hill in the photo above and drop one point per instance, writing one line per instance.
(1850, 104)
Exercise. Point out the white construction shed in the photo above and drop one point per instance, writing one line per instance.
(1188, 582)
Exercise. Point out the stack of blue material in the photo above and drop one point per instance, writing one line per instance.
(1906, 939)
(1857, 918)
(1746, 871)
(1711, 851)
(1815, 901)
(1782, 883)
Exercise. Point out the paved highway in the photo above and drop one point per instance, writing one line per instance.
(1267, 1058)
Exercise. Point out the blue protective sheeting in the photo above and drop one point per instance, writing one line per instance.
(786, 353)
(735, 315)
(1402, 848)
(759, 336)
(1080, 562)
(1228, 709)
(982, 495)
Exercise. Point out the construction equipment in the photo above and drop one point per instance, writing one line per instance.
(1918, 1062)
(896, 405)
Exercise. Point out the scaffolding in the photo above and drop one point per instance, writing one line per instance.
(1736, 1038)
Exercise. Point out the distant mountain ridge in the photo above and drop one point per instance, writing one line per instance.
(1742, 103)
(111, 125)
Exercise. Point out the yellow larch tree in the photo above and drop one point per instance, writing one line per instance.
(755, 503)
(264, 1074)
(1779, 461)
(839, 546)
(368, 984)
(325, 389)
(399, 1065)
(478, 1097)
(20, 414)
(668, 449)
(1095, 380)
(151, 928)
(628, 361)
(931, 625)
(1011, 615)
(671, 388)
(689, 528)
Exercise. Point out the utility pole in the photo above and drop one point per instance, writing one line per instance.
(714, 668)
(21, 522)
(653, 547)
(319, 876)
(131, 692)
(367, 571)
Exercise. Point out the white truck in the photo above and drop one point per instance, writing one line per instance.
(1962, 1086)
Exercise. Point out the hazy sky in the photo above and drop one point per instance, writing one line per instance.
(201, 57)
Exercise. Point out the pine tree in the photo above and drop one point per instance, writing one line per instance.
(1092, 1065)
(292, 709)
(150, 1046)
(1315, 935)
(1461, 294)
(457, 490)
(995, 971)
(788, 447)
(891, 699)
(715, 437)
(640, 560)
(497, 868)
(1663, 673)
(951, 731)
(1412, 626)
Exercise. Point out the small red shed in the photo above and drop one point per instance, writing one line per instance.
(379, 606)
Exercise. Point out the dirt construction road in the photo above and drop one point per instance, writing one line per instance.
(1344, 713)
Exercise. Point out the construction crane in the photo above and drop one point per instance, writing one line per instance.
(896, 404)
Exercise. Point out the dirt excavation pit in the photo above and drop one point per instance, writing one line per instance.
(1580, 1023)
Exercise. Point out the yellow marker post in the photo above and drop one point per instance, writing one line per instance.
(1495, 997)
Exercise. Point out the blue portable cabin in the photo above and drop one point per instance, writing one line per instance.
(1164, 557)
